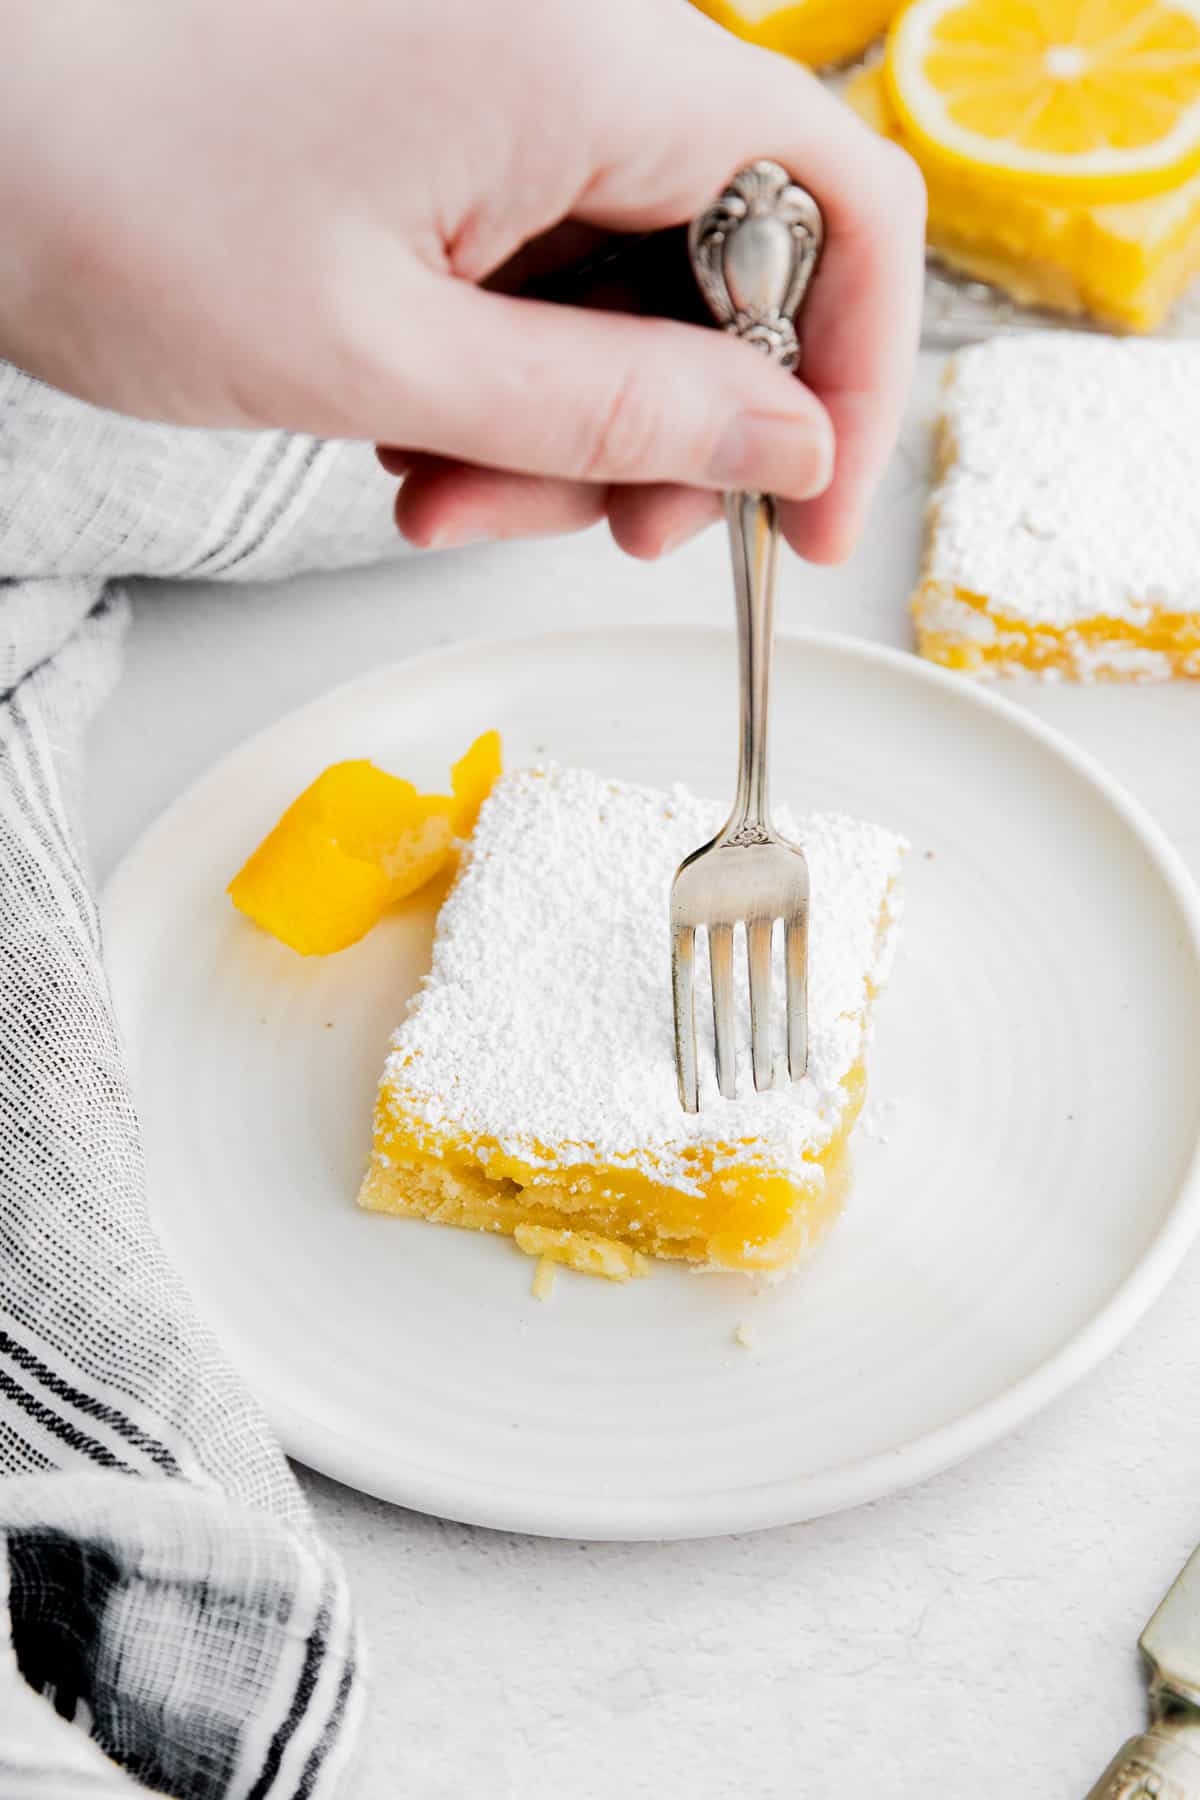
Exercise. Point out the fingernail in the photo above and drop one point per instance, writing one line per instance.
(457, 537)
(776, 451)
(683, 534)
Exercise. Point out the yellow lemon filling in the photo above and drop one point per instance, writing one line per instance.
(743, 1216)
(1125, 263)
(962, 631)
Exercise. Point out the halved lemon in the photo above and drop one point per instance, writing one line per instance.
(813, 31)
(1082, 100)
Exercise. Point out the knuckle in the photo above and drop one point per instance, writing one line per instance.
(622, 441)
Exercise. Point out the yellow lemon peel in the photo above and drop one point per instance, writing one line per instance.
(355, 842)
(815, 32)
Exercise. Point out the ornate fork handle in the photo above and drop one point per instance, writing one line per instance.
(754, 251)
(1159, 1765)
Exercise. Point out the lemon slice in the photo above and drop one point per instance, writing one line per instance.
(813, 31)
(1082, 100)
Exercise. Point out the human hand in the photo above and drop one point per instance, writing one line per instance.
(280, 215)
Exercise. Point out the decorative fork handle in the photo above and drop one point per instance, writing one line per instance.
(1159, 1765)
(753, 252)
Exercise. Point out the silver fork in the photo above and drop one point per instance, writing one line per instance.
(753, 252)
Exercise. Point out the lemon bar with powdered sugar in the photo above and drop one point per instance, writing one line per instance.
(532, 1087)
(1064, 529)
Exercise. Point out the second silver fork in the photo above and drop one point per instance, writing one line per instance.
(753, 252)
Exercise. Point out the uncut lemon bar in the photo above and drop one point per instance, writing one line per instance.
(1125, 263)
(533, 1083)
(1064, 529)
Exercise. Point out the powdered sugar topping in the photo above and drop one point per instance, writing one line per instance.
(1073, 482)
(545, 1025)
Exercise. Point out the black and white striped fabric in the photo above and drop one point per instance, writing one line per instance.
(169, 1620)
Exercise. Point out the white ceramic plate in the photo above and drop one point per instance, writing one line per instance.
(1036, 1074)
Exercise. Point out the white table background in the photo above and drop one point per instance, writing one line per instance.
(974, 1638)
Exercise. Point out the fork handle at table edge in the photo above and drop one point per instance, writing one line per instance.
(753, 521)
(1161, 1764)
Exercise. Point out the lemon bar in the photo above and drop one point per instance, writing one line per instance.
(533, 1082)
(1124, 263)
(1064, 529)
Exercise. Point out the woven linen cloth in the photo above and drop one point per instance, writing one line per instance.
(169, 1619)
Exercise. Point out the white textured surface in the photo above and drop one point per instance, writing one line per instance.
(557, 927)
(974, 1637)
(1073, 485)
(435, 1380)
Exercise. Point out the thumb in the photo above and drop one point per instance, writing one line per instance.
(590, 396)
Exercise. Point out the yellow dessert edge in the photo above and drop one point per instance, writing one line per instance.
(1012, 644)
(447, 1193)
(583, 1251)
(1072, 649)
(751, 1216)
(1113, 262)
(1034, 281)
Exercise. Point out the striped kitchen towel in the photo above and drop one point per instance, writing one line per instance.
(169, 1620)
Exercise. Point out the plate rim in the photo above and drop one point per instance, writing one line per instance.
(792, 1499)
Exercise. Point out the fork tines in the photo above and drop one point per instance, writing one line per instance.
(688, 916)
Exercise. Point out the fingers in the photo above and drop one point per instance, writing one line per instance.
(860, 333)
(649, 522)
(581, 399)
(444, 505)
(860, 325)
(581, 396)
